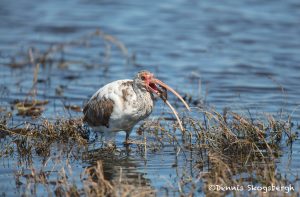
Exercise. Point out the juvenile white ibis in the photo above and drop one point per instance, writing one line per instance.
(119, 105)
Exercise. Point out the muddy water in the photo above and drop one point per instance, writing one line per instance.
(243, 55)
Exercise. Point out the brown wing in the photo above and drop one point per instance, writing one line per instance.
(97, 111)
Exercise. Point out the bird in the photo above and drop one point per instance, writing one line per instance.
(120, 105)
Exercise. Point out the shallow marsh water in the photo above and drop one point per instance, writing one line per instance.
(242, 55)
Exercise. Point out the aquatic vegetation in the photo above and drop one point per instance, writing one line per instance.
(55, 53)
(230, 151)
(225, 150)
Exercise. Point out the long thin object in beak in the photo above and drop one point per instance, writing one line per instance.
(176, 115)
(173, 91)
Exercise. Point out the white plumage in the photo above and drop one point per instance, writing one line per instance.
(119, 105)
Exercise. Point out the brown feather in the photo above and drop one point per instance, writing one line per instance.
(125, 94)
(128, 83)
(98, 112)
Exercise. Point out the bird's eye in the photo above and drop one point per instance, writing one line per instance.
(143, 78)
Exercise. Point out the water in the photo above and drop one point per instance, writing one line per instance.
(238, 54)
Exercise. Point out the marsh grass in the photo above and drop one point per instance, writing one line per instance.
(230, 150)
(39, 137)
(225, 149)
(55, 54)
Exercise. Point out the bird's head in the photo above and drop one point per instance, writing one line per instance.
(146, 80)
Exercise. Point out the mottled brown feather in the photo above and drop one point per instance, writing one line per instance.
(124, 94)
(97, 112)
(127, 83)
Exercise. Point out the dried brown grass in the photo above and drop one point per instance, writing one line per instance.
(234, 150)
(227, 150)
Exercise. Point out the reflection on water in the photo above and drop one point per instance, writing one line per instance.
(117, 165)
(242, 55)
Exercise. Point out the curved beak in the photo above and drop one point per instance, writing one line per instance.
(152, 86)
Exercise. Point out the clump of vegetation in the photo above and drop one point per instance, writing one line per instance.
(41, 136)
(230, 151)
(227, 150)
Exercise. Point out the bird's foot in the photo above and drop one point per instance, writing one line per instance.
(127, 142)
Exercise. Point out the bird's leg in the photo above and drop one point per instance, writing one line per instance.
(127, 141)
(127, 136)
